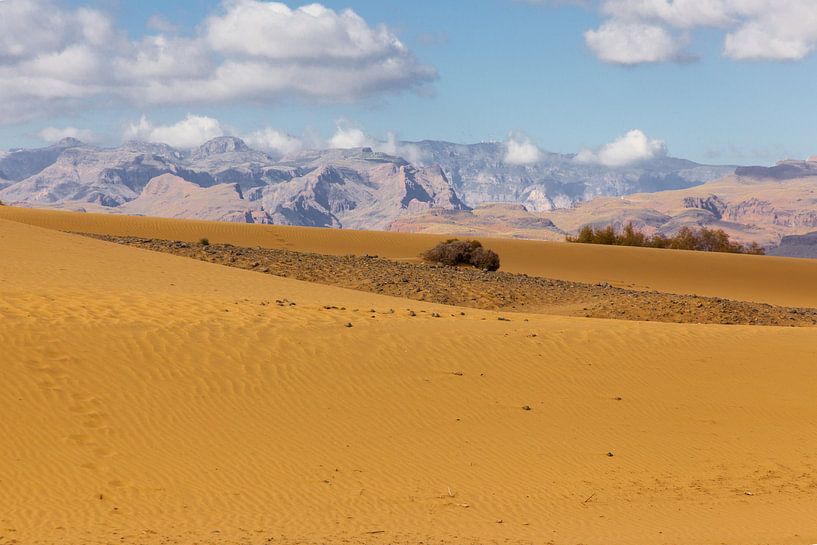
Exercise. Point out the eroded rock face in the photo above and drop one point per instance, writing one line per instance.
(358, 196)
(754, 211)
(712, 204)
(170, 196)
(797, 246)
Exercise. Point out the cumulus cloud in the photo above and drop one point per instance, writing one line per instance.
(55, 134)
(631, 43)
(634, 147)
(348, 136)
(520, 150)
(273, 141)
(54, 57)
(190, 132)
(643, 31)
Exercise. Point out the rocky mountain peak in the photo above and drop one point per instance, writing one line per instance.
(69, 143)
(219, 146)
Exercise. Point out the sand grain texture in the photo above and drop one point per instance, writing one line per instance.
(150, 398)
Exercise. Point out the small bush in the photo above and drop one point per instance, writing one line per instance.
(701, 240)
(455, 252)
(204, 241)
(485, 259)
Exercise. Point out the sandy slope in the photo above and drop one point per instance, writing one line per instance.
(780, 281)
(149, 398)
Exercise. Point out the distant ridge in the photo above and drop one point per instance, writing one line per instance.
(360, 188)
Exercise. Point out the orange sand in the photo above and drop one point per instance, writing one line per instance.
(774, 280)
(148, 398)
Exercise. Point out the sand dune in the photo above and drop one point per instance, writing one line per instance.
(779, 281)
(148, 398)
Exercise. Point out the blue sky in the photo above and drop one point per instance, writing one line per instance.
(503, 66)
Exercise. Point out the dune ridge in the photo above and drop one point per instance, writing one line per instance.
(150, 398)
(763, 279)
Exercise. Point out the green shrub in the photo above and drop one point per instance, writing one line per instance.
(204, 241)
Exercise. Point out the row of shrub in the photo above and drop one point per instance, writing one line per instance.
(701, 240)
(455, 252)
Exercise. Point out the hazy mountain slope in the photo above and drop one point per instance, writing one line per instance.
(480, 173)
(108, 177)
(19, 164)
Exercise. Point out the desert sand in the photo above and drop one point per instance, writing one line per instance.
(778, 281)
(151, 398)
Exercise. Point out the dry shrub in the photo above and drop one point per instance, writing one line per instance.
(486, 260)
(700, 240)
(455, 252)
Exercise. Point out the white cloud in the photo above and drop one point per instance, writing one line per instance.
(348, 136)
(641, 31)
(55, 134)
(272, 30)
(53, 58)
(631, 43)
(190, 132)
(520, 150)
(633, 147)
(393, 146)
(274, 141)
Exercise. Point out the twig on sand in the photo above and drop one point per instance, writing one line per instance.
(375, 532)
(593, 495)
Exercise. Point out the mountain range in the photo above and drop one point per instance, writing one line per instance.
(446, 188)
(224, 179)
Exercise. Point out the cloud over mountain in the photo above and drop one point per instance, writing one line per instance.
(634, 147)
(520, 150)
(57, 58)
(55, 134)
(190, 132)
(274, 141)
